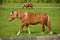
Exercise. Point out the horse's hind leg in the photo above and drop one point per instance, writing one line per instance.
(28, 29)
(43, 28)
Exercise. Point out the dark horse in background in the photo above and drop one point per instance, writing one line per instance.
(27, 5)
(29, 18)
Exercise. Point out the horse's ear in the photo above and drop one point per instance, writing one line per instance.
(12, 11)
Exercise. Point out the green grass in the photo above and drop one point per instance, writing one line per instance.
(9, 29)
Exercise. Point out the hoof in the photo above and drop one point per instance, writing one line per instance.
(18, 33)
(29, 33)
(51, 32)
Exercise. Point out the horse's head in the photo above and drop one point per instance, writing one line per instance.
(19, 14)
(13, 15)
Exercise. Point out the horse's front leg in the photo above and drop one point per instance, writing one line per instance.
(20, 28)
(28, 29)
(43, 28)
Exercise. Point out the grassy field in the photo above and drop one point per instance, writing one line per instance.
(9, 29)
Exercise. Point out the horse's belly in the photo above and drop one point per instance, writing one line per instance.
(34, 21)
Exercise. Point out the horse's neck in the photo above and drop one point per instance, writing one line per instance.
(21, 16)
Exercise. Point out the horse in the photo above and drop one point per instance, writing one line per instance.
(29, 18)
(27, 5)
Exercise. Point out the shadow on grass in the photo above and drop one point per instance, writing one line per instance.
(32, 32)
(55, 33)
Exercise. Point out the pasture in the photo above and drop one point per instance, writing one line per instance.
(9, 29)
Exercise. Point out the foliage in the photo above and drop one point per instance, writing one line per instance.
(32, 1)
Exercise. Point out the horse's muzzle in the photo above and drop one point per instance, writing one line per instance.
(9, 20)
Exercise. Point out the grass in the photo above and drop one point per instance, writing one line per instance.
(9, 29)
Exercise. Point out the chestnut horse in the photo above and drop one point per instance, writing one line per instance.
(29, 18)
(27, 5)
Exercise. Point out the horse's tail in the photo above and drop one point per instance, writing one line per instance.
(49, 22)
